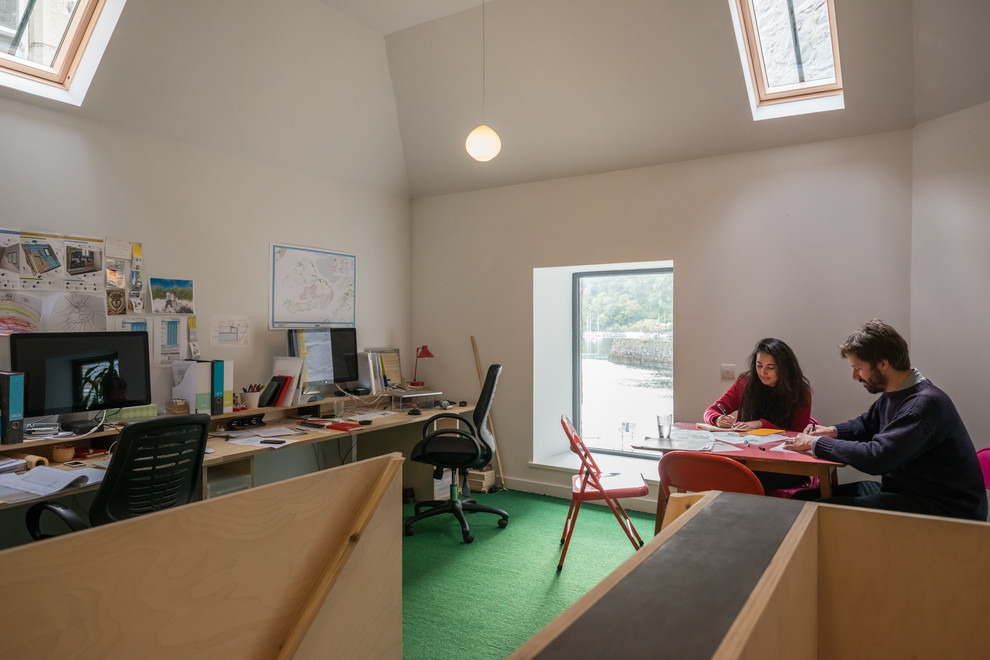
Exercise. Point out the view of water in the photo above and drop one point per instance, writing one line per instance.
(616, 393)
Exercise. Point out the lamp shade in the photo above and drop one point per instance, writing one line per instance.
(483, 143)
(424, 352)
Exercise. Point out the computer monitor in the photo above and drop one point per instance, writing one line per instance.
(66, 372)
(330, 355)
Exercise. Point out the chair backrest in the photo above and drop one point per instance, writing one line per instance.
(484, 406)
(158, 464)
(983, 456)
(588, 464)
(471, 444)
(696, 472)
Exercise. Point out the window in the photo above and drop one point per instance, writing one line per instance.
(790, 54)
(622, 354)
(51, 47)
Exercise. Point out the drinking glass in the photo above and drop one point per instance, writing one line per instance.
(664, 422)
(624, 428)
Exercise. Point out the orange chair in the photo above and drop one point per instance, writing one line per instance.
(589, 484)
(696, 472)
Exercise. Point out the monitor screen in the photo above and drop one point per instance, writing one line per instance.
(330, 354)
(80, 371)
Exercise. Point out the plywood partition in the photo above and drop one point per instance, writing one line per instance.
(780, 619)
(899, 586)
(739, 576)
(307, 567)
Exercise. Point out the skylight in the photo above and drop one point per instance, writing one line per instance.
(790, 55)
(52, 47)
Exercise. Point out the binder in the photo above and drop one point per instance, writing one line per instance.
(216, 387)
(193, 381)
(228, 386)
(11, 407)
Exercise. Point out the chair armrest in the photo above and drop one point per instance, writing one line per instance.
(68, 516)
(461, 419)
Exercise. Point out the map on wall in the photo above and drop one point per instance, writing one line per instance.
(310, 288)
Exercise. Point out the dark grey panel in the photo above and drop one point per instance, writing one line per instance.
(681, 601)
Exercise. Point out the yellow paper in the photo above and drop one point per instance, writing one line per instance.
(763, 431)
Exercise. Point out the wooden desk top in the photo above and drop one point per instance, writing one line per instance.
(228, 452)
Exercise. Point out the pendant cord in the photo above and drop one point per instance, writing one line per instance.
(483, 64)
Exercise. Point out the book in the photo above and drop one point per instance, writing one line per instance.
(284, 396)
(290, 367)
(271, 391)
(43, 480)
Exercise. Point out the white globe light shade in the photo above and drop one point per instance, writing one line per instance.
(483, 143)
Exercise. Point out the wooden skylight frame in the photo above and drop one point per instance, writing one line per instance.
(766, 93)
(70, 50)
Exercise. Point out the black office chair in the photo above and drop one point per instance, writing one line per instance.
(158, 464)
(469, 446)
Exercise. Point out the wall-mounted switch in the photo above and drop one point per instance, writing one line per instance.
(728, 371)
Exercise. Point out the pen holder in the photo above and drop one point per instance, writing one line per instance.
(250, 399)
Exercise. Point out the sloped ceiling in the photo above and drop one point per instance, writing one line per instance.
(584, 86)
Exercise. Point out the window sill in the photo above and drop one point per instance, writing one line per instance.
(567, 462)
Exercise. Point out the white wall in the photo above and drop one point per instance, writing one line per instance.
(950, 267)
(209, 133)
(279, 127)
(802, 243)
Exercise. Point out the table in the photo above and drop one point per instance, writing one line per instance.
(782, 462)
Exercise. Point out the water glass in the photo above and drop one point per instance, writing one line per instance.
(627, 427)
(664, 423)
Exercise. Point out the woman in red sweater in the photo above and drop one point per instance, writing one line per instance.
(773, 394)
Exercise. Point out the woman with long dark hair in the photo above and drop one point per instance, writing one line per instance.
(773, 393)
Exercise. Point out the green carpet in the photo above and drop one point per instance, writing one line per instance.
(485, 599)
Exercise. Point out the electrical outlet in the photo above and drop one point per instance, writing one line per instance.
(728, 371)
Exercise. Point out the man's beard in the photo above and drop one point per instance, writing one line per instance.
(876, 383)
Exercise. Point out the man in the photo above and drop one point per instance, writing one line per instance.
(911, 436)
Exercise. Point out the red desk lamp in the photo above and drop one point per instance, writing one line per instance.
(421, 352)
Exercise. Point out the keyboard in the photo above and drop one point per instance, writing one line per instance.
(103, 463)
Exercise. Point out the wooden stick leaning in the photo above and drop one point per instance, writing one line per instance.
(499, 480)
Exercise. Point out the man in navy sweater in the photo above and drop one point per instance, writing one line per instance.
(911, 436)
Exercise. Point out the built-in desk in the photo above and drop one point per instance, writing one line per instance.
(227, 457)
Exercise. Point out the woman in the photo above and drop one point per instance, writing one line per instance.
(772, 394)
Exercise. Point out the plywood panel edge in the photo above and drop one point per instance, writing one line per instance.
(780, 618)
(362, 616)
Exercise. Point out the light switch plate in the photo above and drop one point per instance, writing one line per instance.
(728, 371)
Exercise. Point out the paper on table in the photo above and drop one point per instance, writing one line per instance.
(721, 446)
(44, 480)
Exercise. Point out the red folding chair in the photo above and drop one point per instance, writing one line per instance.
(696, 472)
(590, 484)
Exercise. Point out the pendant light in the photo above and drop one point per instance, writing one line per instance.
(483, 143)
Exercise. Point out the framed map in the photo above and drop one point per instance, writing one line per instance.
(310, 288)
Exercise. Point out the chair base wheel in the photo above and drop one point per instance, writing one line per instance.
(468, 538)
(502, 522)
